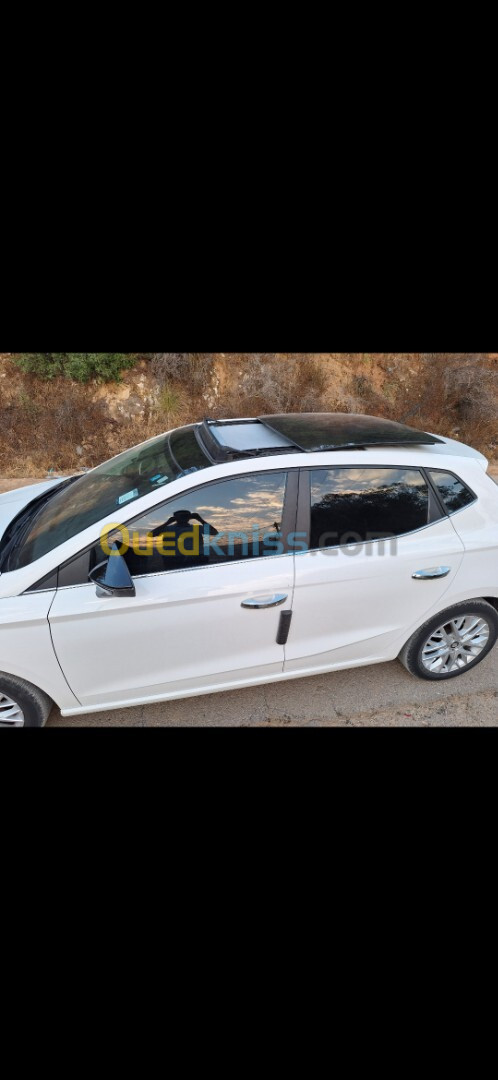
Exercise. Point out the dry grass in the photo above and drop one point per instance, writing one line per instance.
(40, 430)
(265, 384)
(65, 426)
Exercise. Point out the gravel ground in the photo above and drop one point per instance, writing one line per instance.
(382, 695)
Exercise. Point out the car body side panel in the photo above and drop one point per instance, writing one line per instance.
(26, 648)
(183, 629)
(355, 603)
(477, 527)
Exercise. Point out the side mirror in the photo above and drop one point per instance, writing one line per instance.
(116, 579)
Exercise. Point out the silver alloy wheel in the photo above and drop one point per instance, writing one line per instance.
(11, 714)
(455, 644)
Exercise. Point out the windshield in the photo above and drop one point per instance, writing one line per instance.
(105, 490)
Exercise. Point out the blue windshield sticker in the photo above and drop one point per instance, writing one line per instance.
(154, 479)
(129, 495)
(163, 480)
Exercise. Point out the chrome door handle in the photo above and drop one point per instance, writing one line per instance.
(265, 601)
(434, 571)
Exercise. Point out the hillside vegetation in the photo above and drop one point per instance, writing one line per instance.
(65, 411)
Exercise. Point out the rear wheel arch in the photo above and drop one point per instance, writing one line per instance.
(410, 654)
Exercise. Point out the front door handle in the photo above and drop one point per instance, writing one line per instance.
(265, 601)
(432, 572)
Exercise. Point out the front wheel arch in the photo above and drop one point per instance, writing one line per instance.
(34, 705)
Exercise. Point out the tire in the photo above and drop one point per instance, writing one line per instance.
(22, 704)
(422, 656)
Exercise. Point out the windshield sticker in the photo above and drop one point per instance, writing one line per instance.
(129, 495)
(155, 479)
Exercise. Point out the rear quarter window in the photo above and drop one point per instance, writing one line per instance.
(453, 492)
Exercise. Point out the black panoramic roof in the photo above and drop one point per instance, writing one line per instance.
(288, 433)
(336, 431)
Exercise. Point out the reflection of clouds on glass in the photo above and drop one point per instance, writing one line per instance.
(244, 505)
(361, 481)
(384, 501)
(265, 500)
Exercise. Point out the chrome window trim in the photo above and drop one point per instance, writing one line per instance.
(188, 569)
(363, 543)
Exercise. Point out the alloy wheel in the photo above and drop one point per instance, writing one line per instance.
(11, 714)
(455, 644)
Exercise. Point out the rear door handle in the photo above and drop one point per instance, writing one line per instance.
(432, 572)
(265, 601)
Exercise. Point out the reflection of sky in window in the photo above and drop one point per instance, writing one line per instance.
(361, 481)
(452, 490)
(368, 500)
(259, 506)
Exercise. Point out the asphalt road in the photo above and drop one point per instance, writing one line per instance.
(384, 694)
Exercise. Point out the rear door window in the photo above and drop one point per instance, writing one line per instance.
(352, 505)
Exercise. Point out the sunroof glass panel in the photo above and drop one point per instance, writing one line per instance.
(248, 436)
(314, 431)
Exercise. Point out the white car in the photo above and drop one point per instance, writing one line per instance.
(230, 553)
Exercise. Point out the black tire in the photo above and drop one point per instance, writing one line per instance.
(411, 653)
(35, 705)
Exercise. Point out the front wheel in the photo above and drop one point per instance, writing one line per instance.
(452, 642)
(22, 704)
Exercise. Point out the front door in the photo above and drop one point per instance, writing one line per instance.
(208, 599)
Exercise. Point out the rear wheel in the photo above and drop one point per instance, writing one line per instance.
(452, 642)
(22, 704)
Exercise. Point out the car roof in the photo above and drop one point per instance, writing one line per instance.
(305, 433)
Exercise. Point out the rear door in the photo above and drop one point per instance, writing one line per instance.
(370, 529)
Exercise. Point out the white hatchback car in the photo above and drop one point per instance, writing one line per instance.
(230, 553)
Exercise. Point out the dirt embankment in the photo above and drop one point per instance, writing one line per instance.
(64, 426)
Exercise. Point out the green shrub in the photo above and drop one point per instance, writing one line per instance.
(106, 367)
(169, 401)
